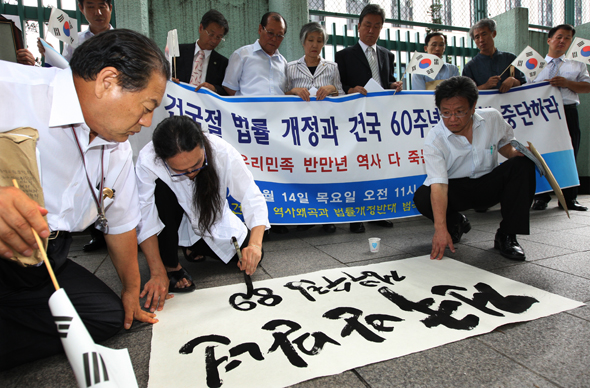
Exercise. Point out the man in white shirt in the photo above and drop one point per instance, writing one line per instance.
(84, 115)
(461, 157)
(571, 77)
(259, 69)
(98, 14)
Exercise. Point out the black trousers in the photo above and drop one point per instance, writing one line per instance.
(170, 213)
(573, 126)
(512, 184)
(27, 329)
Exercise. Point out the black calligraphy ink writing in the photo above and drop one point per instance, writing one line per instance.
(267, 298)
(442, 316)
(515, 304)
(352, 322)
(389, 279)
(282, 341)
(212, 363)
(298, 286)
(307, 287)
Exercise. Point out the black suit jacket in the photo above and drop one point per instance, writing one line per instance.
(215, 69)
(356, 71)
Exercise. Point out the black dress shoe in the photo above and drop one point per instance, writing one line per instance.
(357, 227)
(384, 223)
(539, 204)
(329, 228)
(508, 246)
(574, 205)
(303, 228)
(95, 244)
(457, 230)
(280, 229)
(481, 210)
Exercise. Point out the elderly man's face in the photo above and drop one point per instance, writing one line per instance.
(211, 36)
(270, 39)
(484, 39)
(115, 113)
(98, 14)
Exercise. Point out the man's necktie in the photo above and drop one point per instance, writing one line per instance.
(373, 63)
(554, 67)
(198, 69)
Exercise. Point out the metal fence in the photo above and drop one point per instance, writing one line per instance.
(462, 13)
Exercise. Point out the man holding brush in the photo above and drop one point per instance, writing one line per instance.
(84, 115)
(491, 69)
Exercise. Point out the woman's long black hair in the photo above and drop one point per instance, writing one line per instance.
(178, 134)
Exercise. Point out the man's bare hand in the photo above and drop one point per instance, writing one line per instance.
(357, 89)
(18, 213)
(440, 241)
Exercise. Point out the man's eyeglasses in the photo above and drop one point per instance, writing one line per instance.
(216, 37)
(458, 115)
(188, 172)
(272, 34)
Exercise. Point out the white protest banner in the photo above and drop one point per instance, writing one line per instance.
(322, 323)
(424, 63)
(93, 365)
(530, 62)
(62, 27)
(354, 158)
(580, 50)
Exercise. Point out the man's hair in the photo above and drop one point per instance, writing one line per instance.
(489, 23)
(311, 28)
(275, 16)
(566, 27)
(178, 134)
(456, 87)
(372, 9)
(135, 57)
(432, 35)
(109, 3)
(214, 16)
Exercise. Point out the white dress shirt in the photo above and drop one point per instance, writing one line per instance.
(45, 99)
(83, 36)
(449, 156)
(571, 70)
(252, 72)
(326, 73)
(205, 61)
(233, 176)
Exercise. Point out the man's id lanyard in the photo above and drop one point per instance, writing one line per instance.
(101, 223)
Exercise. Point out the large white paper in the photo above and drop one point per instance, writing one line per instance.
(322, 323)
(372, 86)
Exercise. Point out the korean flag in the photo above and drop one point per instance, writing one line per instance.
(530, 63)
(62, 27)
(580, 51)
(93, 365)
(426, 64)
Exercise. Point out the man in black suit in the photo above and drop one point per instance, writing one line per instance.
(199, 64)
(353, 61)
(365, 60)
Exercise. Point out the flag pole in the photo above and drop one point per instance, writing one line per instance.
(174, 58)
(505, 70)
(42, 250)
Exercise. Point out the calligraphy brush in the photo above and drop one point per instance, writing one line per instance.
(247, 277)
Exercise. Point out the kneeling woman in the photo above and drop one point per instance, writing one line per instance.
(183, 178)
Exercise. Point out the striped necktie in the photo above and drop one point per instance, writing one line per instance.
(555, 67)
(373, 63)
